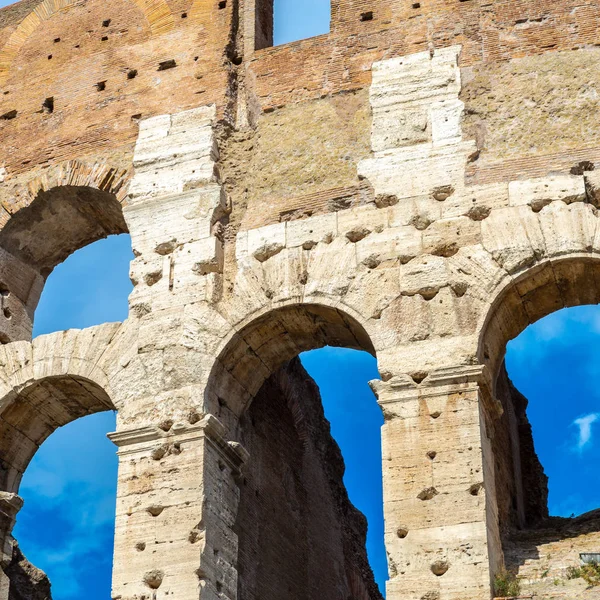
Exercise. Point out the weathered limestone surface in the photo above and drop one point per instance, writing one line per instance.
(420, 184)
(542, 557)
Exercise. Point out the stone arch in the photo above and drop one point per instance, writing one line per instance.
(543, 288)
(48, 383)
(543, 260)
(44, 385)
(265, 341)
(71, 173)
(566, 274)
(68, 207)
(293, 480)
(156, 12)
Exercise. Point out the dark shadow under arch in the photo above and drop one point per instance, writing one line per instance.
(60, 221)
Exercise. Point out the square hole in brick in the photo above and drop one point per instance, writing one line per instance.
(167, 64)
(48, 106)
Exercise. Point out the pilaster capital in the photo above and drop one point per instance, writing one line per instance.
(147, 440)
(440, 382)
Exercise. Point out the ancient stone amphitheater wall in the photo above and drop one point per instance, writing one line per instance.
(419, 183)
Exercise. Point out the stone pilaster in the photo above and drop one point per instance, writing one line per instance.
(176, 504)
(437, 506)
(175, 204)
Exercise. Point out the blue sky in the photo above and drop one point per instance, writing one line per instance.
(555, 365)
(295, 20)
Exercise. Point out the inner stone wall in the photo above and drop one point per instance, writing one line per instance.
(25, 581)
(543, 557)
(300, 538)
(539, 549)
(520, 479)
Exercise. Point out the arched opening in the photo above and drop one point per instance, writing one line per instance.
(299, 535)
(29, 416)
(66, 526)
(283, 21)
(552, 365)
(42, 235)
(63, 247)
(541, 548)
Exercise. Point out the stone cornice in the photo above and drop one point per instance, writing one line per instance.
(144, 439)
(446, 380)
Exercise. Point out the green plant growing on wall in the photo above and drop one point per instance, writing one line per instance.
(573, 572)
(506, 584)
(589, 572)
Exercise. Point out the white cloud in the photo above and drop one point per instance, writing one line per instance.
(585, 429)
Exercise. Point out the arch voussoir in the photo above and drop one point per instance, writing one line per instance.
(46, 384)
(76, 352)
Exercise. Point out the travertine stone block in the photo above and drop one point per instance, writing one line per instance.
(358, 223)
(399, 244)
(160, 225)
(445, 237)
(174, 154)
(446, 122)
(312, 231)
(539, 192)
(404, 89)
(417, 170)
(267, 242)
(475, 202)
(513, 237)
(568, 228)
